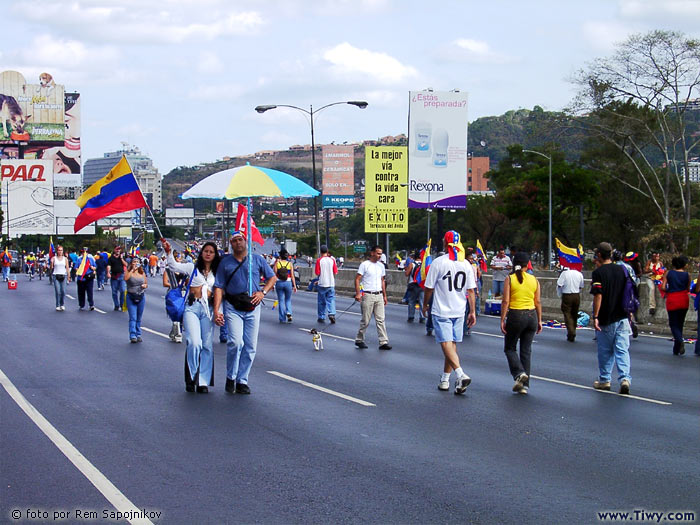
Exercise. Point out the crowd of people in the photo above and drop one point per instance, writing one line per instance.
(226, 290)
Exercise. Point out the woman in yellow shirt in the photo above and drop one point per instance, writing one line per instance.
(521, 319)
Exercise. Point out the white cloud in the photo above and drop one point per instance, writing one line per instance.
(655, 10)
(210, 63)
(471, 51)
(216, 92)
(348, 61)
(137, 22)
(603, 36)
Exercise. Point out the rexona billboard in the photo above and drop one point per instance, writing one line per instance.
(437, 149)
(31, 112)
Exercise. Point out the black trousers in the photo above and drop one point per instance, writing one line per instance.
(570, 303)
(676, 320)
(521, 325)
(83, 288)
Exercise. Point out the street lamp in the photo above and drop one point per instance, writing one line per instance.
(310, 112)
(549, 233)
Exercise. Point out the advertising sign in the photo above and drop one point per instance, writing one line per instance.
(437, 143)
(66, 211)
(31, 112)
(386, 208)
(338, 176)
(66, 158)
(27, 197)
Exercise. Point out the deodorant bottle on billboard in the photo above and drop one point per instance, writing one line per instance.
(423, 136)
(440, 142)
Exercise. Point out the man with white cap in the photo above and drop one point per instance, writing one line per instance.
(240, 310)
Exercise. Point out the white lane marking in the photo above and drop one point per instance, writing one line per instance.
(488, 335)
(328, 335)
(94, 476)
(145, 329)
(101, 311)
(70, 296)
(322, 389)
(602, 391)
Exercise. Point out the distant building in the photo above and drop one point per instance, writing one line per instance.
(147, 175)
(476, 169)
(693, 171)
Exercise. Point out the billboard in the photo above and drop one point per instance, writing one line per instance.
(179, 216)
(27, 197)
(31, 112)
(66, 211)
(338, 179)
(386, 175)
(437, 144)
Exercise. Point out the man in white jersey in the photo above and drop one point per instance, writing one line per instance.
(451, 282)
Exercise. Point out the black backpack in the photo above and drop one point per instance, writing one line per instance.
(282, 271)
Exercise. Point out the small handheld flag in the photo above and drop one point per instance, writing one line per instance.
(241, 218)
(426, 261)
(481, 256)
(570, 257)
(52, 251)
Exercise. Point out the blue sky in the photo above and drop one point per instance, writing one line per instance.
(180, 78)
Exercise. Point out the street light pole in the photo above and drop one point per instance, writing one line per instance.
(549, 232)
(310, 112)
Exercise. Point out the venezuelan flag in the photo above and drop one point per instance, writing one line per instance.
(570, 257)
(426, 261)
(481, 256)
(52, 251)
(5, 256)
(116, 192)
(84, 266)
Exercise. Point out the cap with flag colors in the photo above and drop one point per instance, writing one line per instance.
(570, 257)
(116, 192)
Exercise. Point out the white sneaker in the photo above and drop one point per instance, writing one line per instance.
(461, 384)
(58, 308)
(523, 390)
(444, 385)
(520, 382)
(63, 308)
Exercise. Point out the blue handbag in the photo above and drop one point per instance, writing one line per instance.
(176, 300)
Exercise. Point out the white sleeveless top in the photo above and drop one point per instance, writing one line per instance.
(59, 265)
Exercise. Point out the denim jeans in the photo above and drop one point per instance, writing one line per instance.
(521, 325)
(59, 287)
(135, 314)
(85, 286)
(497, 288)
(676, 320)
(613, 347)
(477, 299)
(101, 278)
(6, 273)
(118, 289)
(697, 341)
(326, 301)
(284, 299)
(415, 296)
(199, 331)
(242, 328)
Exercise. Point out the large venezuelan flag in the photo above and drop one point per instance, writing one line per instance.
(116, 192)
(570, 257)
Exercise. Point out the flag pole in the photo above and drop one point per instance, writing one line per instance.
(250, 250)
(160, 235)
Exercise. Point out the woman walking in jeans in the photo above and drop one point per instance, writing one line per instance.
(676, 282)
(285, 285)
(521, 319)
(136, 284)
(59, 270)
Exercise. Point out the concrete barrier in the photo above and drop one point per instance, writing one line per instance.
(551, 304)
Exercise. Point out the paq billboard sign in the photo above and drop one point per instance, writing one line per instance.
(27, 191)
(31, 112)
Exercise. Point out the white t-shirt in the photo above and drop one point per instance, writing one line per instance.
(570, 281)
(372, 274)
(326, 270)
(450, 281)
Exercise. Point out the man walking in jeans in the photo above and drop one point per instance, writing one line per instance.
(372, 296)
(326, 269)
(610, 321)
(115, 274)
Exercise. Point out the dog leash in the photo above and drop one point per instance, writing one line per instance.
(338, 317)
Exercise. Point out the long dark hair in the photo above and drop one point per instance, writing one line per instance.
(521, 259)
(215, 261)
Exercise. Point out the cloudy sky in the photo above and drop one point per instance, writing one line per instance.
(180, 78)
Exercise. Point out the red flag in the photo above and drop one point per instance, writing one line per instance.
(241, 221)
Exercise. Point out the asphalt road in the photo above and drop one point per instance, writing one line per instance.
(291, 453)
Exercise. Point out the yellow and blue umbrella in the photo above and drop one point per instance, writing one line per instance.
(249, 181)
(246, 182)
